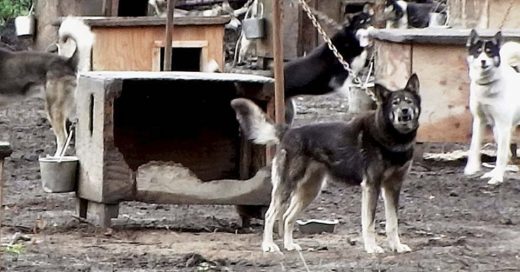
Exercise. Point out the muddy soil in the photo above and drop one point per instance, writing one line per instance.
(452, 222)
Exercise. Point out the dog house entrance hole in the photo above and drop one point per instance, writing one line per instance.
(184, 59)
(187, 56)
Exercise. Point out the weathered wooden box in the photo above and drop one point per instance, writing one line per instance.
(167, 137)
(137, 43)
(438, 56)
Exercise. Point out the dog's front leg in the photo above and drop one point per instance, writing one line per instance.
(370, 194)
(391, 198)
(503, 137)
(473, 164)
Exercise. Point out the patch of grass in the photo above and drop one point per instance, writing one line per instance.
(9, 9)
(15, 249)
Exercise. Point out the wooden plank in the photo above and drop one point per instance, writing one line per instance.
(443, 75)
(167, 60)
(102, 213)
(103, 175)
(436, 35)
(182, 76)
(168, 182)
(152, 21)
(135, 46)
(289, 25)
(118, 178)
(393, 64)
(279, 97)
(89, 138)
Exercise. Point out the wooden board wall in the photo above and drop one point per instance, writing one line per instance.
(299, 35)
(445, 113)
(484, 13)
(132, 48)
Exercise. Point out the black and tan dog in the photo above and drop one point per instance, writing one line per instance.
(25, 74)
(374, 150)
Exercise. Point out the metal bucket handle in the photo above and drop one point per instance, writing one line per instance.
(261, 6)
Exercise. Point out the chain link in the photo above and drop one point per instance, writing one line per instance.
(332, 47)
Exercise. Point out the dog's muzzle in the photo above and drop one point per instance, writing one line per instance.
(405, 119)
(406, 115)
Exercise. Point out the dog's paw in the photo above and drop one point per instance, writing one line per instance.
(400, 248)
(374, 249)
(494, 177)
(471, 169)
(270, 247)
(292, 246)
(494, 181)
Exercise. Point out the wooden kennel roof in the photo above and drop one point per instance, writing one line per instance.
(201, 76)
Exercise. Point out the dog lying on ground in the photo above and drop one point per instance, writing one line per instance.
(401, 14)
(320, 72)
(374, 150)
(25, 74)
(494, 98)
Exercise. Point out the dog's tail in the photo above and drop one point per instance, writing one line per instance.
(510, 53)
(77, 30)
(255, 124)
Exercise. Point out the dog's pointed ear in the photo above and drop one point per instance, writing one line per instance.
(368, 8)
(381, 92)
(413, 84)
(497, 39)
(473, 36)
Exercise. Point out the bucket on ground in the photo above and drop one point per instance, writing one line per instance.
(58, 174)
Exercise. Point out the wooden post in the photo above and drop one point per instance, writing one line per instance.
(5, 151)
(167, 63)
(379, 16)
(278, 63)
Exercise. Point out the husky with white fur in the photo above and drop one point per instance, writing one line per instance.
(494, 99)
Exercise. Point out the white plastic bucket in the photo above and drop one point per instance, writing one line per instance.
(24, 25)
(58, 174)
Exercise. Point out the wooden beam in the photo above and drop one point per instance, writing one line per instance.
(379, 16)
(167, 63)
(5, 151)
(279, 99)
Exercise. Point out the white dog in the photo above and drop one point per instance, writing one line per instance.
(494, 98)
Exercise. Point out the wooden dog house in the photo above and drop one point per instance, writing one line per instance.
(167, 137)
(438, 56)
(137, 43)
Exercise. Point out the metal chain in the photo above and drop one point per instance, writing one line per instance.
(345, 64)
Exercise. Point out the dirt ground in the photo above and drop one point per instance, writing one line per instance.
(452, 222)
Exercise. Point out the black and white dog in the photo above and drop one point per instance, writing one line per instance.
(373, 150)
(402, 14)
(320, 72)
(494, 98)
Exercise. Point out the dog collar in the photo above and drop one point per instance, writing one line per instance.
(484, 82)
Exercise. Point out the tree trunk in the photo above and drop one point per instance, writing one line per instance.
(48, 12)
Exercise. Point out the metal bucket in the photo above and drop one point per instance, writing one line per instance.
(24, 25)
(437, 20)
(58, 173)
(254, 26)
